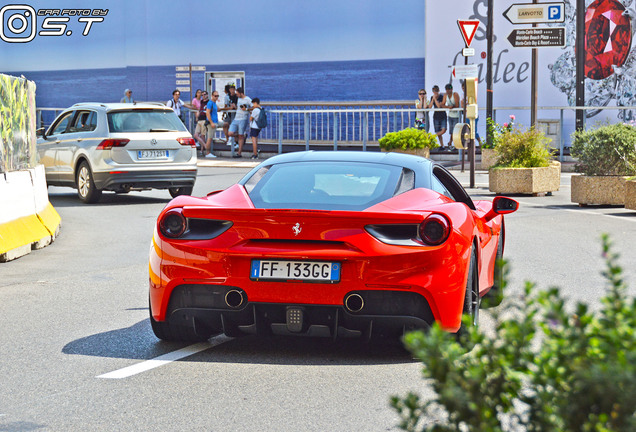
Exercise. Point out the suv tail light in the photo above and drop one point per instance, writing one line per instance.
(435, 230)
(107, 144)
(187, 141)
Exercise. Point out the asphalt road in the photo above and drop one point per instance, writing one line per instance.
(78, 353)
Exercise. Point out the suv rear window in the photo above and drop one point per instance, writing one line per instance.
(144, 120)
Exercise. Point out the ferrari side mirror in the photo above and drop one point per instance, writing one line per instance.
(500, 206)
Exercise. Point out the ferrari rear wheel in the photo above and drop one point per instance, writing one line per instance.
(471, 299)
(176, 333)
(494, 297)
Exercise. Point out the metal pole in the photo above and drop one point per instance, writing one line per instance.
(307, 131)
(534, 85)
(280, 133)
(580, 63)
(335, 131)
(490, 38)
(191, 81)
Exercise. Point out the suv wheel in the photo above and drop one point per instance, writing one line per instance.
(86, 189)
(185, 190)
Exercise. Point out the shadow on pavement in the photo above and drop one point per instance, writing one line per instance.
(139, 343)
(70, 199)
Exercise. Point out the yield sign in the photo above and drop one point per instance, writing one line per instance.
(468, 28)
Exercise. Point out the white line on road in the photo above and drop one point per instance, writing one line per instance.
(164, 359)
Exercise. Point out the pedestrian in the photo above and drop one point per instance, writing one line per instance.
(439, 117)
(229, 106)
(200, 131)
(212, 117)
(240, 125)
(421, 117)
(254, 129)
(127, 97)
(177, 105)
(451, 101)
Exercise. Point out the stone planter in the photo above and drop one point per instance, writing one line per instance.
(598, 190)
(424, 152)
(531, 181)
(630, 195)
(488, 158)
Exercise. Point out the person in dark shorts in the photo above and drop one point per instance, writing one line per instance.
(439, 117)
(229, 103)
(254, 129)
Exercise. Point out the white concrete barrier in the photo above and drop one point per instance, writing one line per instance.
(27, 219)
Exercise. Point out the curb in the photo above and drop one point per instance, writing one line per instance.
(28, 221)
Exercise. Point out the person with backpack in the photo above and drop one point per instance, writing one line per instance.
(258, 121)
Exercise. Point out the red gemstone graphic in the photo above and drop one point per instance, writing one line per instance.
(608, 38)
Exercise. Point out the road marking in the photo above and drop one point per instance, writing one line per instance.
(579, 210)
(164, 359)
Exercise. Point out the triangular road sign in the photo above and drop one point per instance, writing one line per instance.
(468, 28)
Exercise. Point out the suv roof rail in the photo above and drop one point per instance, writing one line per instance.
(150, 103)
(89, 103)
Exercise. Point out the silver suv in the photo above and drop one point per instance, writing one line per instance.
(118, 147)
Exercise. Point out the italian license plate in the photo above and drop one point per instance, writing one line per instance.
(312, 271)
(152, 154)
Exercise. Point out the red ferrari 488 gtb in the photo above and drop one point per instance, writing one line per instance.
(326, 244)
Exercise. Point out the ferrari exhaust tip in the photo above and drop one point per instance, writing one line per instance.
(234, 299)
(354, 302)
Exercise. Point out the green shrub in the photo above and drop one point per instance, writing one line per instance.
(606, 150)
(547, 367)
(494, 131)
(409, 139)
(519, 148)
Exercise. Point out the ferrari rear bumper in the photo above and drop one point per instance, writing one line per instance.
(228, 310)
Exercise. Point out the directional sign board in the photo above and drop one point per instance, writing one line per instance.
(188, 68)
(463, 72)
(537, 37)
(535, 13)
(468, 28)
(183, 82)
(183, 75)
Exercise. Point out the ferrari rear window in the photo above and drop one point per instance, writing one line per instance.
(325, 185)
(144, 120)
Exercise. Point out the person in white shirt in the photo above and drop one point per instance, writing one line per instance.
(254, 129)
(177, 104)
(240, 124)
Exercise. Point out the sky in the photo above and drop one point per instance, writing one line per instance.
(160, 32)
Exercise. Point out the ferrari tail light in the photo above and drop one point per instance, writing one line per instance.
(187, 142)
(435, 230)
(173, 224)
(107, 144)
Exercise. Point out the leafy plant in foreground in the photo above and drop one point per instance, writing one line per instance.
(547, 367)
(408, 139)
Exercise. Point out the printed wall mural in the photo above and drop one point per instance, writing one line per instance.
(17, 123)
(610, 56)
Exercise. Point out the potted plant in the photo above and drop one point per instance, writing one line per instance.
(606, 159)
(494, 132)
(410, 140)
(524, 164)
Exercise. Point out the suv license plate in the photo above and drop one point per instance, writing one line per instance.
(312, 271)
(152, 154)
